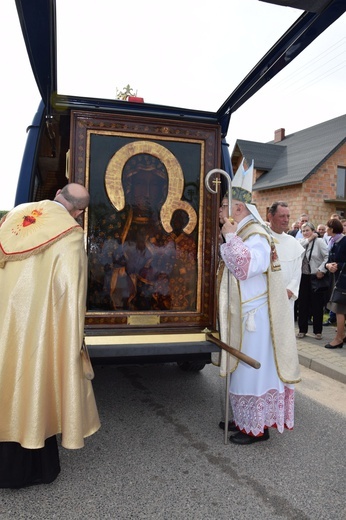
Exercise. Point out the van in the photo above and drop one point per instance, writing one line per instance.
(151, 229)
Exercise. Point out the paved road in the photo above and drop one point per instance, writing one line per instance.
(160, 456)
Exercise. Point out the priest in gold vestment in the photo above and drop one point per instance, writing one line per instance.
(43, 391)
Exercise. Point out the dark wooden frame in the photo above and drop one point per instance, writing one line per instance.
(170, 134)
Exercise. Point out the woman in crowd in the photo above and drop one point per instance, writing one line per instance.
(336, 264)
(311, 302)
(343, 222)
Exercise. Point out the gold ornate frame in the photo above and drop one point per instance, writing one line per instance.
(100, 146)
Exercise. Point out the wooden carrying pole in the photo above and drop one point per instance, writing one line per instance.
(233, 351)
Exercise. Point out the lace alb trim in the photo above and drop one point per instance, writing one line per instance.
(253, 413)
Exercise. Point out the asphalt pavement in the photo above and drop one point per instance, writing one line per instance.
(313, 355)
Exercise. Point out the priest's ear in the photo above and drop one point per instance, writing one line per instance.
(76, 212)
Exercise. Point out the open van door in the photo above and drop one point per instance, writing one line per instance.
(151, 228)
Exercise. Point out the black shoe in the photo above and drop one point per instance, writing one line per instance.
(339, 345)
(244, 438)
(329, 323)
(231, 426)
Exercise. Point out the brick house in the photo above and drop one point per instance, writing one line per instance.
(307, 169)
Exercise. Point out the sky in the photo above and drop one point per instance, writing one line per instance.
(189, 54)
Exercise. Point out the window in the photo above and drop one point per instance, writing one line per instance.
(341, 183)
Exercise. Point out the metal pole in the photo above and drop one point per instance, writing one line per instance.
(214, 190)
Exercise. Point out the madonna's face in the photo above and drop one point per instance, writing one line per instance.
(147, 193)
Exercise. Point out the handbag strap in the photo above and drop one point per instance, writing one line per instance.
(306, 260)
(313, 243)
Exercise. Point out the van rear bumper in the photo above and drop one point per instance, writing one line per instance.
(170, 346)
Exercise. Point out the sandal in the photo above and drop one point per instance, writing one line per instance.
(301, 335)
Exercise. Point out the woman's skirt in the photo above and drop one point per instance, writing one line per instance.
(337, 308)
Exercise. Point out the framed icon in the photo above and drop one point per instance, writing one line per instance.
(151, 226)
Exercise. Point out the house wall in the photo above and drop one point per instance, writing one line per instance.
(310, 196)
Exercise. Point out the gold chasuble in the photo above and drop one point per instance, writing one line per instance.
(43, 280)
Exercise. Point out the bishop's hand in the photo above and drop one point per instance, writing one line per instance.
(229, 226)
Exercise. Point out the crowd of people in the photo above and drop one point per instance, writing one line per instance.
(322, 263)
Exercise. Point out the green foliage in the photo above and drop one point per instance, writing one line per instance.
(2, 213)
